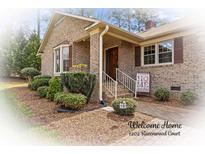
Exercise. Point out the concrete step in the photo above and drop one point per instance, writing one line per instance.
(121, 92)
(109, 98)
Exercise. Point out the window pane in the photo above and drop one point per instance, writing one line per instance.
(165, 52)
(65, 59)
(57, 60)
(149, 55)
(165, 57)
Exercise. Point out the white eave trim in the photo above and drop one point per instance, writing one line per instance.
(89, 27)
(77, 16)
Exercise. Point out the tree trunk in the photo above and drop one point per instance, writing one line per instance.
(38, 22)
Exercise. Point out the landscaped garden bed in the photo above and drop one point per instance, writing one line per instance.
(44, 110)
(187, 100)
(91, 125)
(97, 127)
(172, 103)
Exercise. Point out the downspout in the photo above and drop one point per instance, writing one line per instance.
(101, 62)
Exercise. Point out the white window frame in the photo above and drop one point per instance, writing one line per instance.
(61, 59)
(157, 54)
(54, 61)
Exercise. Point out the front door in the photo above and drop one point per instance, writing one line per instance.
(112, 61)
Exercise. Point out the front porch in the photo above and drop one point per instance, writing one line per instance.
(118, 60)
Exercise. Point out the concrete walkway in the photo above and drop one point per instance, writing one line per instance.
(173, 114)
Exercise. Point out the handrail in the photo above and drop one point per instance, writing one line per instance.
(110, 84)
(126, 81)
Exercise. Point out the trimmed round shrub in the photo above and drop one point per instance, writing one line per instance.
(74, 101)
(42, 77)
(128, 103)
(29, 73)
(42, 91)
(188, 97)
(71, 100)
(79, 82)
(59, 97)
(55, 86)
(36, 83)
(162, 94)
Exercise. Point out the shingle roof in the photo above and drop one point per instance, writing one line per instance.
(169, 28)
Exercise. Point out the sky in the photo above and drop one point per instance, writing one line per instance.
(28, 17)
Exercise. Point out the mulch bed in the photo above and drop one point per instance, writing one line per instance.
(45, 111)
(90, 126)
(97, 127)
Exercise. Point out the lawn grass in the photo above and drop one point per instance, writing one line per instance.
(11, 99)
(7, 85)
(41, 130)
(16, 105)
(22, 111)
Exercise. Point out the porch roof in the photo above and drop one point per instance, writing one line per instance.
(116, 32)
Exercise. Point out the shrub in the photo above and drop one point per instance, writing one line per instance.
(42, 91)
(188, 97)
(36, 83)
(55, 86)
(59, 97)
(80, 82)
(130, 106)
(29, 73)
(162, 94)
(71, 100)
(42, 77)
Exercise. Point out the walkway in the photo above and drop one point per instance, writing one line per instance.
(173, 114)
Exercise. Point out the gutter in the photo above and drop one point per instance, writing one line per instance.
(100, 62)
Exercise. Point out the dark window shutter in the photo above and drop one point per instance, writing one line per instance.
(178, 50)
(70, 56)
(138, 56)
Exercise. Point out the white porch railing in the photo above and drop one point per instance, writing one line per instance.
(126, 81)
(110, 84)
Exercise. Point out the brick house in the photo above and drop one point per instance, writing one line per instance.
(171, 53)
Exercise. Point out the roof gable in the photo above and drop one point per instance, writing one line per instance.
(56, 19)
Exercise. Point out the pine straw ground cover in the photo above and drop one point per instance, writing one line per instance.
(91, 126)
(95, 127)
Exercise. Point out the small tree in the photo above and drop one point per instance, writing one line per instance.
(29, 73)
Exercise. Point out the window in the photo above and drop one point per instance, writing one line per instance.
(165, 52)
(61, 59)
(149, 55)
(65, 59)
(159, 53)
(57, 60)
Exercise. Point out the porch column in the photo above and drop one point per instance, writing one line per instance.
(94, 62)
